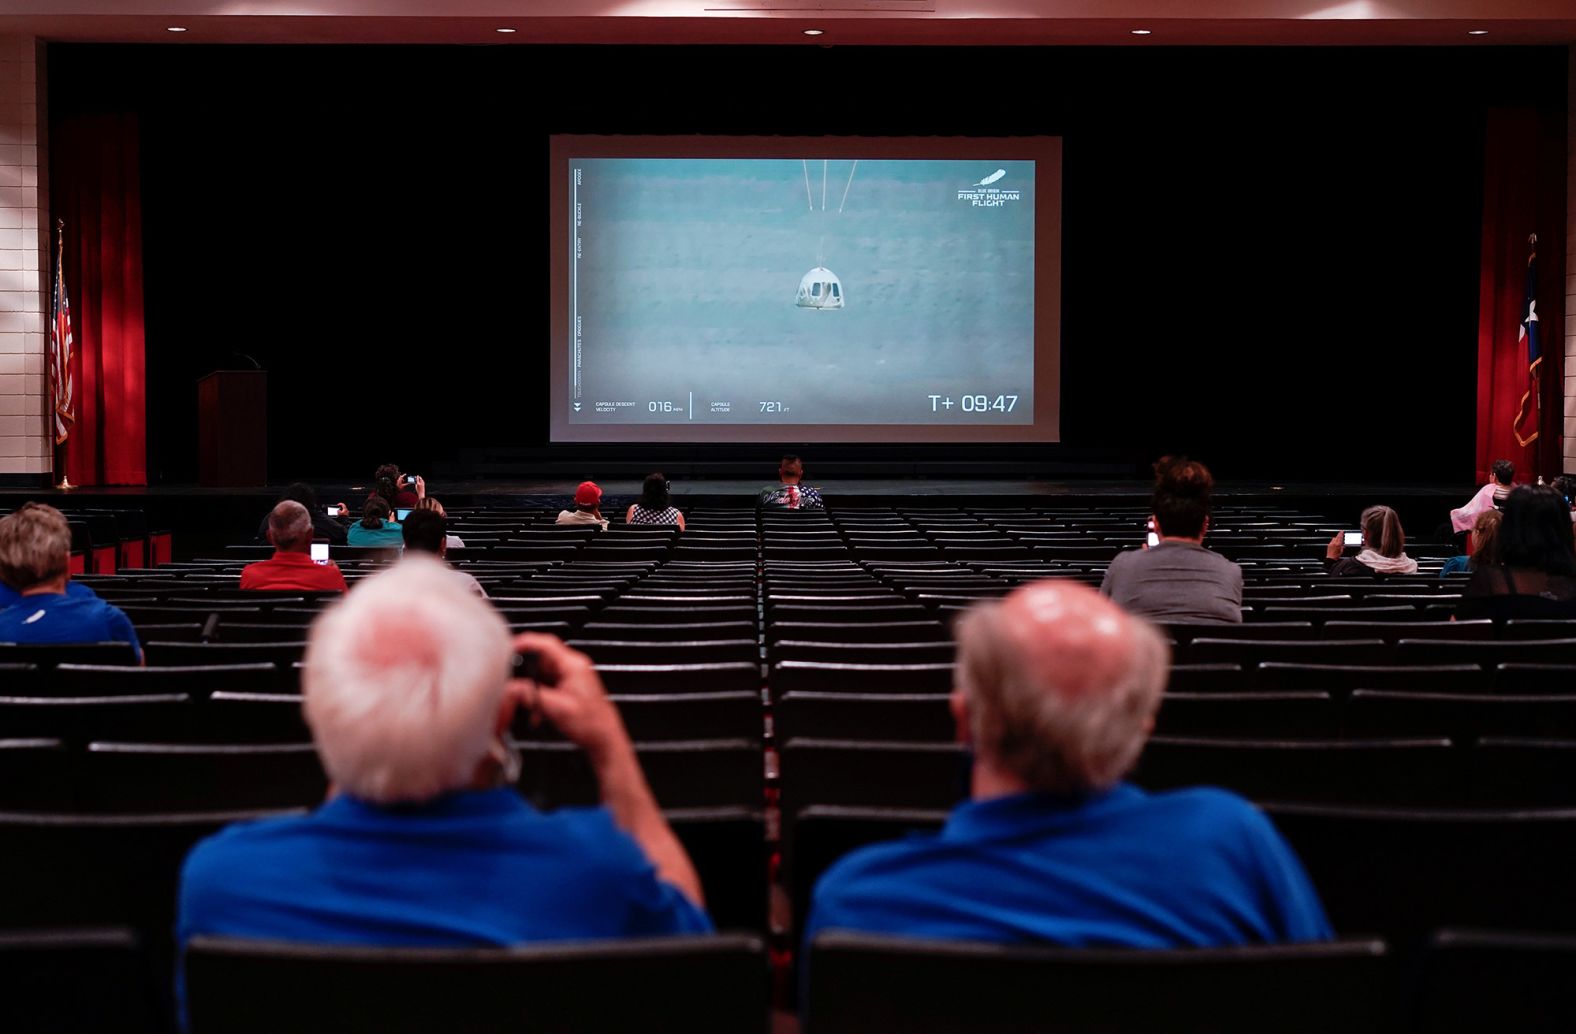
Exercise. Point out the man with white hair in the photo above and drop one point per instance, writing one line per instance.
(292, 567)
(1056, 692)
(424, 839)
(38, 601)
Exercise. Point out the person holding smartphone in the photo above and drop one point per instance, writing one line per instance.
(790, 493)
(328, 521)
(400, 491)
(292, 567)
(1381, 546)
(411, 685)
(1174, 578)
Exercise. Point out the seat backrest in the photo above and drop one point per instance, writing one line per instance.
(197, 680)
(48, 655)
(729, 677)
(227, 717)
(1396, 771)
(74, 980)
(1524, 651)
(1516, 677)
(911, 717)
(675, 651)
(871, 773)
(164, 777)
(1475, 981)
(661, 984)
(280, 652)
(1225, 650)
(1460, 716)
(681, 773)
(1401, 872)
(35, 775)
(92, 870)
(78, 720)
(1341, 679)
(1511, 771)
(817, 836)
(840, 677)
(1247, 714)
(861, 983)
(1207, 678)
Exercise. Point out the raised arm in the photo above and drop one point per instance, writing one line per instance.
(570, 695)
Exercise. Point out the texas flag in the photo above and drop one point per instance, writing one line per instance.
(1531, 339)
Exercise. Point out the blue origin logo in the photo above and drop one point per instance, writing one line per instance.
(985, 193)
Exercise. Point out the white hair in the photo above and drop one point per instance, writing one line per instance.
(403, 683)
(289, 525)
(1051, 727)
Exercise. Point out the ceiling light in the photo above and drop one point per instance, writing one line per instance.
(506, 29)
(175, 28)
(1140, 32)
(813, 32)
(1477, 32)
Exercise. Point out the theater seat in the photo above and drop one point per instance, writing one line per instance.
(89, 979)
(914, 717)
(1394, 771)
(165, 777)
(1475, 981)
(861, 983)
(1403, 872)
(667, 984)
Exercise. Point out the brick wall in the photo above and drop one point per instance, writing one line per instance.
(25, 441)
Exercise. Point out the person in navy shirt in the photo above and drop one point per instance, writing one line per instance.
(424, 840)
(1057, 689)
(40, 602)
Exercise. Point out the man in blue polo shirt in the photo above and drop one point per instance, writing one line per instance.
(40, 602)
(1057, 689)
(425, 841)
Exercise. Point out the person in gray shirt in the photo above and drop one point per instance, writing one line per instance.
(1178, 580)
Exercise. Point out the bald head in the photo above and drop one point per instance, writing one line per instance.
(1060, 685)
(290, 527)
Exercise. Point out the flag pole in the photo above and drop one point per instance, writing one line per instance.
(59, 452)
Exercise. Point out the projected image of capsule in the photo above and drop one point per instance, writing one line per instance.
(820, 288)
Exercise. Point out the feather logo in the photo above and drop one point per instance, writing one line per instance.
(992, 178)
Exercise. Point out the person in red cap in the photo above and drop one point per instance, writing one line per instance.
(588, 507)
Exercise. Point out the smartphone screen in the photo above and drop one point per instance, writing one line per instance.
(1353, 538)
(400, 515)
(320, 552)
(333, 511)
(1154, 540)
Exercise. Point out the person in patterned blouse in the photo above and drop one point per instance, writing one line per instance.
(655, 506)
(789, 494)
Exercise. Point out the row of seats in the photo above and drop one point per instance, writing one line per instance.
(1388, 871)
(1468, 981)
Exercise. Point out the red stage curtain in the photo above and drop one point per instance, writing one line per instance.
(96, 188)
(1521, 196)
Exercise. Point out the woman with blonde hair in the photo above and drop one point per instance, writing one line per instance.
(1384, 547)
(1485, 546)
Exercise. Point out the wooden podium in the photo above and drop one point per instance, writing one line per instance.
(232, 429)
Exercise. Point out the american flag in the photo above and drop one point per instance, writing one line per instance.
(1530, 337)
(60, 349)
